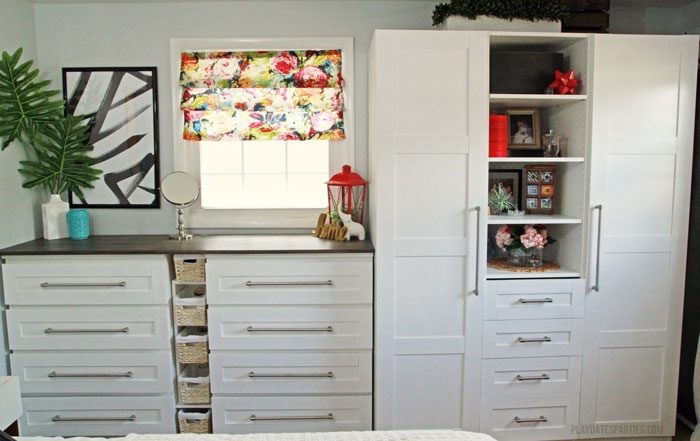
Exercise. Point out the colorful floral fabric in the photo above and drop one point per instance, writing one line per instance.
(262, 95)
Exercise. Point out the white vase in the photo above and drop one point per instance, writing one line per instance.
(487, 23)
(53, 214)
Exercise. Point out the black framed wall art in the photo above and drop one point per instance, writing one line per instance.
(121, 106)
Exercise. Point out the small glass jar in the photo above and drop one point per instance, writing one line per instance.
(550, 144)
(526, 258)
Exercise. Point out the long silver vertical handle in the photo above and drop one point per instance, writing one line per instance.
(81, 285)
(478, 245)
(291, 418)
(129, 374)
(86, 331)
(60, 419)
(596, 287)
(540, 419)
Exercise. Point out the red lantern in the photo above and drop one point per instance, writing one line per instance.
(347, 191)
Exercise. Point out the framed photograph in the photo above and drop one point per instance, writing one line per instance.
(524, 129)
(121, 104)
(509, 180)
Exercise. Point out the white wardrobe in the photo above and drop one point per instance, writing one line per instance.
(587, 351)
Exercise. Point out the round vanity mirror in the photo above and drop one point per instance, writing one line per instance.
(181, 190)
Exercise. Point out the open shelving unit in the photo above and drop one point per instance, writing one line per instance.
(178, 287)
(568, 116)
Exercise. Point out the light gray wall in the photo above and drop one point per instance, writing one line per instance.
(626, 18)
(138, 34)
(20, 219)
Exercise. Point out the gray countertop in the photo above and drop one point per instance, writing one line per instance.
(231, 244)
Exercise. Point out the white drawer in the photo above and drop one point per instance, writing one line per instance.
(532, 338)
(86, 280)
(293, 280)
(287, 327)
(531, 376)
(291, 414)
(291, 373)
(533, 417)
(47, 373)
(534, 299)
(88, 327)
(97, 416)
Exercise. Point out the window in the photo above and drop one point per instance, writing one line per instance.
(261, 184)
(264, 174)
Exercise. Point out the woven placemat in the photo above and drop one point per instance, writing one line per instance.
(502, 264)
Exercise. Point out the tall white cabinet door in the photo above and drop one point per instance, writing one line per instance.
(642, 123)
(428, 93)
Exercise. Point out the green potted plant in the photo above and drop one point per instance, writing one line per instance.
(56, 145)
(500, 15)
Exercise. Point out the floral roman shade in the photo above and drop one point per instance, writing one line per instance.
(264, 95)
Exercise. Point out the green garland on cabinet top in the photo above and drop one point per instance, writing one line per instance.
(532, 10)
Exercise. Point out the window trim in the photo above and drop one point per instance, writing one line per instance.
(186, 153)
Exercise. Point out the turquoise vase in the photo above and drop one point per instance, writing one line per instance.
(78, 224)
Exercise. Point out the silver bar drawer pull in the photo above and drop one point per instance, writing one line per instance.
(129, 374)
(254, 329)
(82, 285)
(534, 340)
(541, 419)
(532, 378)
(87, 331)
(321, 375)
(60, 419)
(251, 284)
(545, 300)
(291, 418)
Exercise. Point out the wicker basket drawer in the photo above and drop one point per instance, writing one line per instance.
(193, 385)
(194, 422)
(190, 306)
(193, 346)
(189, 268)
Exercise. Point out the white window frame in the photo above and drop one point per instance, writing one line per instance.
(186, 153)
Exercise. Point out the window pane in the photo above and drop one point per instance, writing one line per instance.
(308, 156)
(264, 174)
(220, 157)
(264, 156)
(221, 191)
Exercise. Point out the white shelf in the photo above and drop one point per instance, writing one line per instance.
(563, 272)
(533, 100)
(533, 219)
(542, 41)
(177, 282)
(538, 160)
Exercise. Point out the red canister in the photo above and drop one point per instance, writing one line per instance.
(498, 136)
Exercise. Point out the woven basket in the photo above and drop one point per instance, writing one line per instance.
(191, 315)
(194, 422)
(189, 268)
(192, 346)
(193, 393)
(190, 307)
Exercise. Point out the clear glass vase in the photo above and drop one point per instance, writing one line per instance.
(530, 258)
